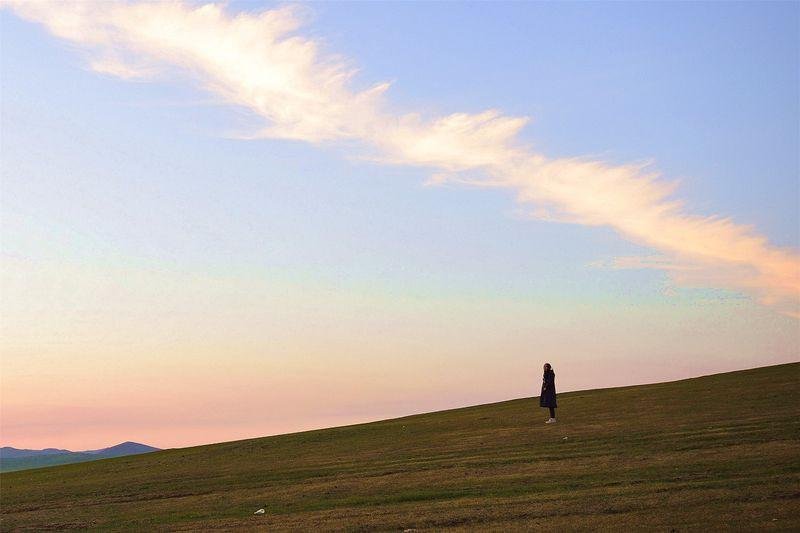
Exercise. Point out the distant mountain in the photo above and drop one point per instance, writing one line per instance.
(16, 459)
(126, 448)
(40, 461)
(7, 452)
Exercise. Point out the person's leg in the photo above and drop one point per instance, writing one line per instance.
(552, 412)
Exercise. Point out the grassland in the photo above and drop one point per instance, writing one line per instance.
(715, 452)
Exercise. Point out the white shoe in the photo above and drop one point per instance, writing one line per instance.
(551, 421)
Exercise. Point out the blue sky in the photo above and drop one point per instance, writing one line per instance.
(708, 91)
(148, 177)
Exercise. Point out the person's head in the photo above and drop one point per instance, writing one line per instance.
(547, 367)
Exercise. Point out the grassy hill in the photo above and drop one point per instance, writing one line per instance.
(705, 453)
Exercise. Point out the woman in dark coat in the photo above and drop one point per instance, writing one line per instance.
(548, 396)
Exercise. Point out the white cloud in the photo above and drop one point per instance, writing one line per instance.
(260, 62)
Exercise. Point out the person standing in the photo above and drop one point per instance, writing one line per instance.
(548, 396)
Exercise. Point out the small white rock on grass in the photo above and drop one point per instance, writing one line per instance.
(260, 511)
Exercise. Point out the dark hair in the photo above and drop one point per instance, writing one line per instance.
(547, 366)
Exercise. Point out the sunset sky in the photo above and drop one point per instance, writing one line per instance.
(235, 220)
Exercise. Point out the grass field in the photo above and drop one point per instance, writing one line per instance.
(721, 451)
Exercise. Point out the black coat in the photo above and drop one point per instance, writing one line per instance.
(548, 396)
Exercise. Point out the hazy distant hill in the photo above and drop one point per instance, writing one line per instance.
(12, 459)
(126, 448)
(712, 453)
(7, 452)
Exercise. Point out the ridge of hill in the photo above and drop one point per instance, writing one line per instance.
(122, 449)
(8, 452)
(718, 451)
(13, 459)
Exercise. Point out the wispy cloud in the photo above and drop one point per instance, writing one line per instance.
(261, 62)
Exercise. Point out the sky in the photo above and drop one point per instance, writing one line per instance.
(235, 220)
